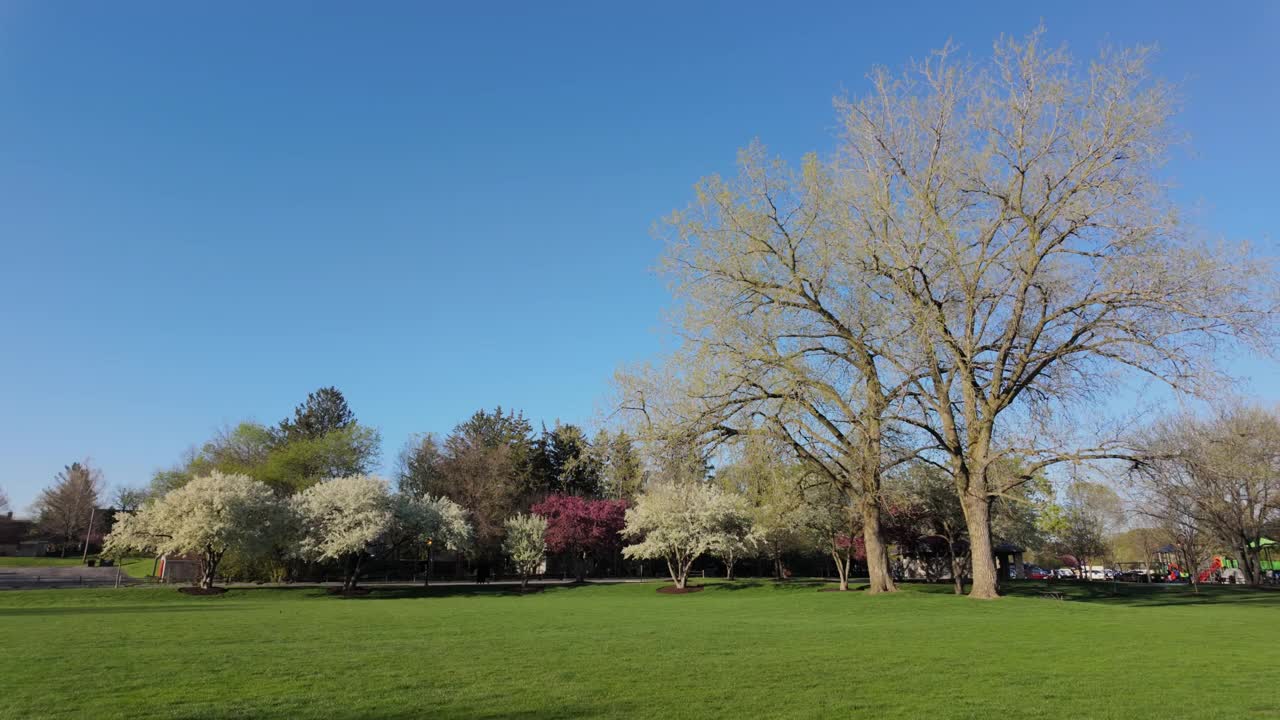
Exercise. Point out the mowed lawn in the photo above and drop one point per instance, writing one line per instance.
(743, 650)
(134, 567)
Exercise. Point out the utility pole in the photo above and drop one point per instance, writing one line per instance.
(85, 557)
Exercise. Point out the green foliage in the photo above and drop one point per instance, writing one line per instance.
(1081, 523)
(322, 441)
(525, 543)
(324, 411)
(622, 470)
(486, 465)
(421, 466)
(297, 464)
(565, 464)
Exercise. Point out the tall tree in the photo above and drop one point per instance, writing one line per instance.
(324, 411)
(784, 335)
(128, 499)
(622, 471)
(1222, 472)
(421, 466)
(1011, 212)
(485, 465)
(1085, 518)
(574, 468)
(63, 510)
(777, 506)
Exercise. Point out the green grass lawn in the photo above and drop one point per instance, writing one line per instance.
(742, 650)
(6, 561)
(138, 567)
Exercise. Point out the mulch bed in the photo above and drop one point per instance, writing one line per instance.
(201, 590)
(673, 590)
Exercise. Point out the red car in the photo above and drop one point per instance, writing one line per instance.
(1038, 574)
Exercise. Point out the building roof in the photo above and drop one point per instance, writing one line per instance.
(14, 531)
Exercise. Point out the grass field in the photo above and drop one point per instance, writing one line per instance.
(135, 567)
(7, 561)
(748, 649)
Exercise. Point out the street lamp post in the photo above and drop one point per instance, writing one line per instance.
(427, 581)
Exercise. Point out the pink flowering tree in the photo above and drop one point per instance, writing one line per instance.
(581, 527)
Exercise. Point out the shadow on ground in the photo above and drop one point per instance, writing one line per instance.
(1132, 594)
(798, 585)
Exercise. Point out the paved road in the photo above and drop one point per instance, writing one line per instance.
(30, 578)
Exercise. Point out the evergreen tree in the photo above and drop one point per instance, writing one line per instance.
(324, 411)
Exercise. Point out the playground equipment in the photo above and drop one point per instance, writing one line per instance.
(1214, 566)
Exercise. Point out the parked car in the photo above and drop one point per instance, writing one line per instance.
(1065, 573)
(1038, 573)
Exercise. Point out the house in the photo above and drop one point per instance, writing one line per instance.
(19, 538)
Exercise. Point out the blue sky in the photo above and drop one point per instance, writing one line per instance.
(208, 211)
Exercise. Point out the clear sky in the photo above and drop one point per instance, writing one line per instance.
(208, 210)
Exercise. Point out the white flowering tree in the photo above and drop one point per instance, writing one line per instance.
(348, 519)
(677, 522)
(344, 519)
(207, 517)
(735, 537)
(436, 522)
(525, 543)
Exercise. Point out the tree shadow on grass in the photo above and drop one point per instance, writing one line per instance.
(1122, 594)
(414, 713)
(794, 585)
(1150, 595)
(110, 609)
(437, 591)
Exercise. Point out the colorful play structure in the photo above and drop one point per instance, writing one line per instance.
(1221, 567)
(1214, 566)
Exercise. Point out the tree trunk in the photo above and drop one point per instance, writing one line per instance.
(728, 568)
(524, 581)
(354, 575)
(877, 551)
(957, 576)
(1250, 564)
(842, 569)
(582, 567)
(977, 515)
(677, 577)
(208, 569)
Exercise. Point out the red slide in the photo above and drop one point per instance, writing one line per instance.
(1216, 565)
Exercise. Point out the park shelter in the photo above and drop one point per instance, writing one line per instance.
(177, 568)
(1008, 559)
